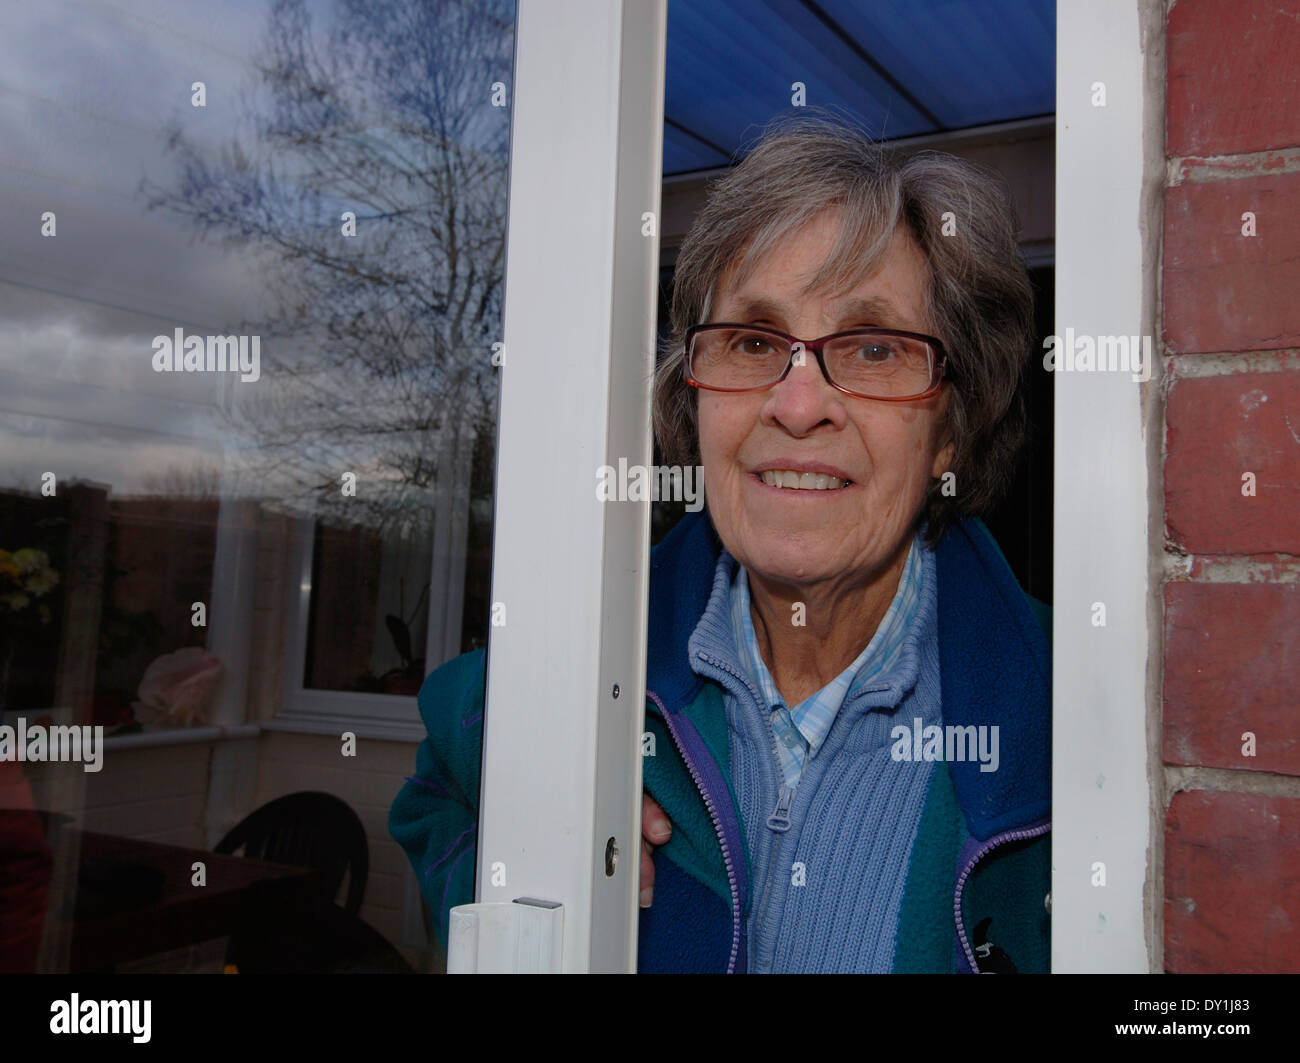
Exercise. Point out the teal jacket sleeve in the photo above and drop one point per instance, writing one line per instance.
(434, 817)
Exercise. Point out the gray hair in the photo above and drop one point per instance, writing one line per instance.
(978, 298)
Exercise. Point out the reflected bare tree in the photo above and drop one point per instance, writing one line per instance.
(200, 480)
(379, 344)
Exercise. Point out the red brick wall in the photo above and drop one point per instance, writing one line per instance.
(1231, 324)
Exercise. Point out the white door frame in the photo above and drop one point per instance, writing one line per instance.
(1101, 759)
(570, 574)
(585, 168)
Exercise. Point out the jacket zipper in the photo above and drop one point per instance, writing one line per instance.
(976, 857)
(778, 821)
(717, 826)
(980, 853)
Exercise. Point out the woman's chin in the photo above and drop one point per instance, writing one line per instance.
(784, 562)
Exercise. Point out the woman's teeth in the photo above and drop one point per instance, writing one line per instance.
(808, 481)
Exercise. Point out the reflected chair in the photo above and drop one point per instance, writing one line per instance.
(286, 929)
(308, 829)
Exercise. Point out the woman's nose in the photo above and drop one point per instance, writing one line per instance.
(803, 398)
(805, 372)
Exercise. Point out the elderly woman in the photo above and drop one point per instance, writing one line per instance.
(849, 690)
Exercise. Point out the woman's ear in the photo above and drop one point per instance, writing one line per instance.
(947, 449)
(944, 458)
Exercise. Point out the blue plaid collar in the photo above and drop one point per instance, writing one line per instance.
(802, 729)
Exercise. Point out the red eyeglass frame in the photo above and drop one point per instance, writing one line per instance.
(939, 357)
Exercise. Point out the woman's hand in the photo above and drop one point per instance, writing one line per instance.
(655, 831)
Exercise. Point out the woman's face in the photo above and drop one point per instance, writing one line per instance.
(889, 450)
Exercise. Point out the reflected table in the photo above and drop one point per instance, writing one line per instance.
(137, 898)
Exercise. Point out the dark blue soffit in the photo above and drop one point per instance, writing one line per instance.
(899, 68)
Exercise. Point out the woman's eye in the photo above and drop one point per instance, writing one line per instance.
(875, 352)
(753, 345)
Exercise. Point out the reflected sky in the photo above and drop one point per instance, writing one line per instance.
(89, 91)
(86, 90)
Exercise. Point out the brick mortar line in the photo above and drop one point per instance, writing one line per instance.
(1211, 169)
(1194, 366)
(1244, 570)
(1187, 777)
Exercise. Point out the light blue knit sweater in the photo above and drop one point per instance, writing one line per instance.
(827, 891)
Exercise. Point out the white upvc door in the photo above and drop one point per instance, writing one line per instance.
(561, 768)
(1101, 809)
(561, 783)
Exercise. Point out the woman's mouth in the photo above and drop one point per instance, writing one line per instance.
(789, 480)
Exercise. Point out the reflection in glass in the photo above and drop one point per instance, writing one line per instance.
(322, 187)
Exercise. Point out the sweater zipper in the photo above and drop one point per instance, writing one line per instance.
(976, 857)
(778, 822)
(717, 826)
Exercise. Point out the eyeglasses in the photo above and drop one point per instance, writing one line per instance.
(883, 364)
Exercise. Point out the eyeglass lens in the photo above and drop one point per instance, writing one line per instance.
(870, 364)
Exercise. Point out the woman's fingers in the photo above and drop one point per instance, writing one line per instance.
(647, 874)
(654, 824)
(655, 830)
